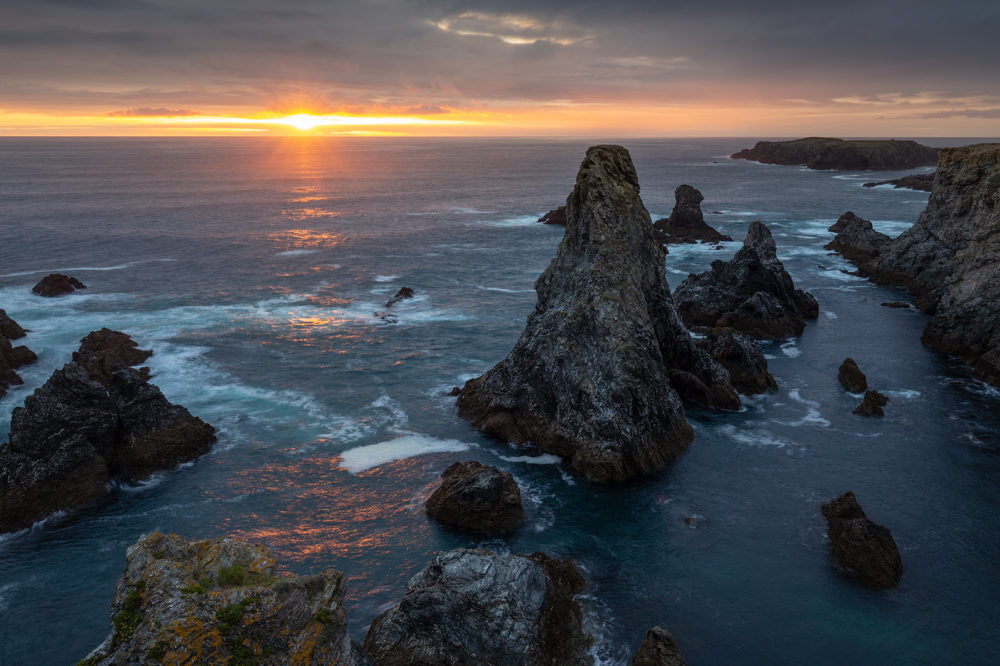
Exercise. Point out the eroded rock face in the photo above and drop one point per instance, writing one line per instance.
(477, 497)
(591, 377)
(872, 404)
(658, 649)
(221, 601)
(856, 239)
(861, 547)
(11, 357)
(554, 216)
(103, 353)
(743, 358)
(57, 284)
(480, 607)
(851, 377)
(686, 223)
(753, 293)
(824, 153)
(9, 328)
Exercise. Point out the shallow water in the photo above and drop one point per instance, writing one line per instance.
(253, 267)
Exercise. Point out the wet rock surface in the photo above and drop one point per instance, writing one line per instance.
(743, 358)
(103, 353)
(477, 497)
(752, 293)
(57, 284)
(11, 357)
(872, 404)
(918, 181)
(851, 377)
(856, 239)
(9, 328)
(593, 376)
(401, 295)
(480, 607)
(686, 223)
(554, 216)
(826, 153)
(658, 649)
(860, 547)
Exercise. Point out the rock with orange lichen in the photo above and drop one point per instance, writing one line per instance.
(220, 601)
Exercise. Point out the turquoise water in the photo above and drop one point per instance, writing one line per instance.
(253, 267)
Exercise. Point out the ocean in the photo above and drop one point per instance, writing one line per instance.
(253, 267)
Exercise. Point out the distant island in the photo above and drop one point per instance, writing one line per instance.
(841, 155)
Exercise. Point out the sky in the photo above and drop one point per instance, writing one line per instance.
(542, 68)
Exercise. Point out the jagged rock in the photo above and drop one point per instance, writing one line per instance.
(402, 294)
(554, 216)
(57, 284)
(103, 353)
(686, 223)
(917, 181)
(872, 404)
(753, 293)
(477, 497)
(851, 377)
(480, 607)
(823, 153)
(743, 358)
(861, 547)
(74, 434)
(9, 328)
(856, 239)
(658, 649)
(12, 357)
(595, 375)
(222, 601)
(455, 390)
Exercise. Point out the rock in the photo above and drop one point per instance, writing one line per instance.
(895, 304)
(917, 181)
(402, 294)
(74, 434)
(554, 216)
(454, 391)
(861, 547)
(856, 239)
(592, 377)
(872, 404)
(12, 357)
(222, 601)
(9, 328)
(477, 497)
(103, 353)
(823, 153)
(851, 377)
(686, 223)
(479, 607)
(658, 649)
(57, 284)
(753, 293)
(743, 358)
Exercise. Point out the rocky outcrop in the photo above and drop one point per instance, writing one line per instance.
(861, 547)
(856, 239)
(595, 376)
(222, 601)
(823, 153)
(554, 216)
(481, 607)
(103, 353)
(401, 295)
(75, 433)
(57, 284)
(851, 377)
(477, 497)
(917, 181)
(11, 357)
(686, 223)
(753, 293)
(658, 649)
(743, 358)
(9, 328)
(872, 404)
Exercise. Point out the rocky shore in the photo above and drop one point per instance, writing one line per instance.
(11, 357)
(921, 182)
(825, 153)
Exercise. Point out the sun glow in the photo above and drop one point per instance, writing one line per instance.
(303, 121)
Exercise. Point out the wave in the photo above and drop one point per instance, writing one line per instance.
(80, 269)
(363, 458)
(295, 253)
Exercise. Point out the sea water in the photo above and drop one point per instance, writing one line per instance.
(253, 268)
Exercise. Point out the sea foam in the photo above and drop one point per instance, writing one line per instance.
(363, 458)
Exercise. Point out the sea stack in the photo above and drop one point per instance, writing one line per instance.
(860, 547)
(686, 223)
(595, 376)
(57, 284)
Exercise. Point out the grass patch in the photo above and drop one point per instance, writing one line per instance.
(324, 616)
(158, 651)
(230, 616)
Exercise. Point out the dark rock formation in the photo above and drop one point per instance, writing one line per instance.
(753, 293)
(686, 223)
(477, 497)
(103, 353)
(591, 377)
(12, 357)
(554, 216)
(9, 328)
(743, 358)
(856, 239)
(872, 404)
(57, 284)
(822, 153)
(401, 295)
(917, 181)
(222, 601)
(76, 433)
(658, 649)
(861, 547)
(480, 607)
(895, 304)
(851, 377)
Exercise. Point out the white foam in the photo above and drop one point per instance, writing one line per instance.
(790, 350)
(906, 394)
(366, 457)
(385, 278)
(519, 221)
(813, 415)
(460, 210)
(544, 459)
(830, 315)
(506, 291)
(754, 437)
(295, 253)
(80, 269)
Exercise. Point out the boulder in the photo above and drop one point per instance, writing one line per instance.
(918, 181)
(859, 546)
(9, 328)
(856, 239)
(57, 284)
(753, 293)
(592, 376)
(103, 353)
(872, 404)
(743, 358)
(824, 153)
(851, 377)
(401, 295)
(480, 607)
(686, 223)
(477, 497)
(658, 649)
(554, 216)
(222, 601)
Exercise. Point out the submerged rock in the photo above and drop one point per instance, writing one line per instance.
(856, 239)
(686, 223)
(595, 375)
(743, 358)
(222, 601)
(554, 216)
(477, 497)
(851, 377)
(658, 649)
(824, 153)
(481, 607)
(753, 293)
(918, 181)
(401, 295)
(861, 547)
(57, 284)
(872, 404)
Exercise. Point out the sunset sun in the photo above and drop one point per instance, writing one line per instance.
(303, 121)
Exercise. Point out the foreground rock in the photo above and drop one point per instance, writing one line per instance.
(76, 433)
(872, 404)
(851, 377)
(861, 547)
(743, 358)
(221, 601)
(11, 357)
(823, 153)
(9, 328)
(658, 649)
(103, 353)
(753, 293)
(554, 216)
(595, 376)
(57, 284)
(480, 607)
(477, 497)
(856, 239)
(917, 181)
(686, 223)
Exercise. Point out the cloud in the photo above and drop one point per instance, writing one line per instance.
(514, 29)
(147, 112)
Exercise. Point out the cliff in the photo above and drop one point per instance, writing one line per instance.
(823, 153)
